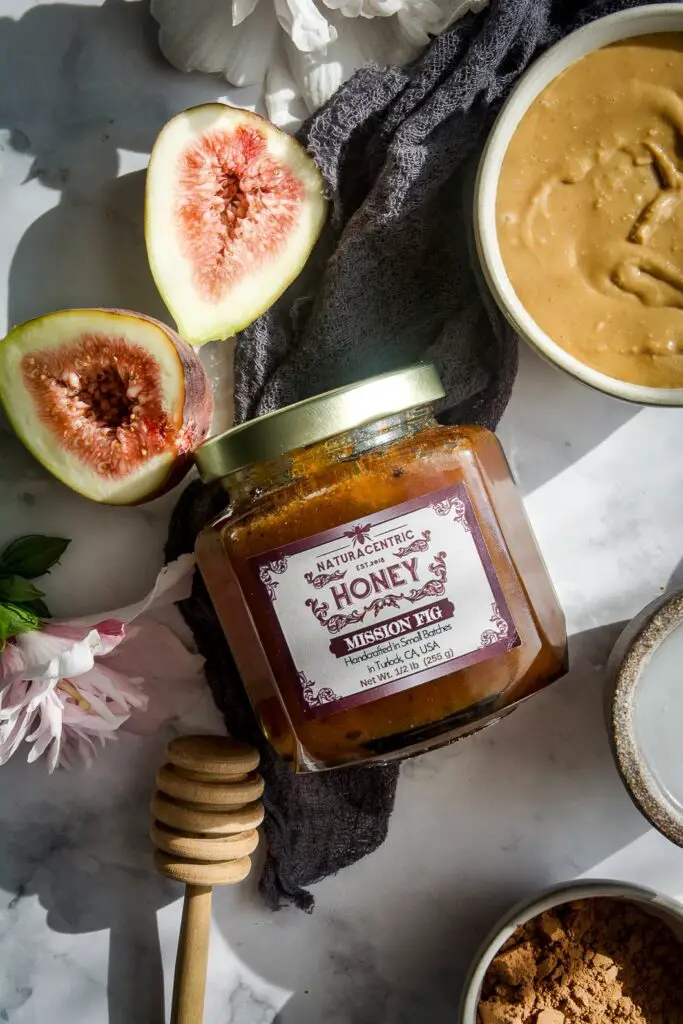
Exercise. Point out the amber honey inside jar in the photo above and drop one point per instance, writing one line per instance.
(375, 574)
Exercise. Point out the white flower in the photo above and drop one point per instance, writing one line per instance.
(301, 49)
(71, 685)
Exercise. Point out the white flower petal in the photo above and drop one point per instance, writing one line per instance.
(420, 20)
(284, 105)
(23, 697)
(367, 8)
(53, 702)
(199, 35)
(174, 583)
(452, 11)
(308, 29)
(49, 656)
(40, 688)
(47, 733)
(12, 734)
(241, 9)
(191, 35)
(319, 75)
(349, 8)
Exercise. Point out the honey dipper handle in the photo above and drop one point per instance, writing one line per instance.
(193, 953)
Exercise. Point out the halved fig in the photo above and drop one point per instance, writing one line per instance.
(233, 208)
(111, 402)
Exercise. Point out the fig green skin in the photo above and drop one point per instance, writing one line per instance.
(197, 408)
(240, 319)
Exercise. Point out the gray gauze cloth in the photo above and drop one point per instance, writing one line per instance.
(392, 281)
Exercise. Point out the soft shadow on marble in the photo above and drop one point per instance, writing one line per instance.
(77, 843)
(115, 553)
(553, 421)
(85, 88)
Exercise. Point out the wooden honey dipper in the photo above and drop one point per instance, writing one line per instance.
(206, 812)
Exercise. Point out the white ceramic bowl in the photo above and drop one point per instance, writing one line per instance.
(636, 21)
(661, 906)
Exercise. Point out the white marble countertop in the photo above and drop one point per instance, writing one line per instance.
(85, 925)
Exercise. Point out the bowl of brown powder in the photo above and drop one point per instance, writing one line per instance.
(593, 952)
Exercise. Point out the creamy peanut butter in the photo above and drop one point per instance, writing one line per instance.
(590, 211)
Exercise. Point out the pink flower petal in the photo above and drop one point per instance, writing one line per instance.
(72, 631)
(11, 662)
(85, 722)
(79, 746)
(67, 688)
(112, 632)
(104, 682)
(173, 677)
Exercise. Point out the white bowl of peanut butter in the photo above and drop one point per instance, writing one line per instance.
(579, 205)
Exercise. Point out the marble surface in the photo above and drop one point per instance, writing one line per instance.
(87, 931)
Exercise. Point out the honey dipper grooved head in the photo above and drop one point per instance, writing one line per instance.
(192, 873)
(207, 822)
(223, 793)
(206, 810)
(212, 755)
(203, 848)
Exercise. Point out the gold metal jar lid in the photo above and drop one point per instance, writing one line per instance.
(318, 418)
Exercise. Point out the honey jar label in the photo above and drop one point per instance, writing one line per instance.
(387, 602)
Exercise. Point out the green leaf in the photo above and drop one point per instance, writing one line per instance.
(38, 607)
(18, 590)
(15, 620)
(32, 556)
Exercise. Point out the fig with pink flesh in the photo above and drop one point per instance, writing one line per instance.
(233, 208)
(111, 402)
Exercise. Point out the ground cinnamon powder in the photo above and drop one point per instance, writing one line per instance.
(591, 961)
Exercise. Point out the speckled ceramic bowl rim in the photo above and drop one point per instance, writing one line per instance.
(623, 25)
(669, 910)
(632, 651)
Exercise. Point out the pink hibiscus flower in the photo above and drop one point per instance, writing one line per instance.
(67, 688)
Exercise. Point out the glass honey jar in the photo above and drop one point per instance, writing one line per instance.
(375, 574)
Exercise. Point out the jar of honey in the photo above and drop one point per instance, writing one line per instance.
(375, 574)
